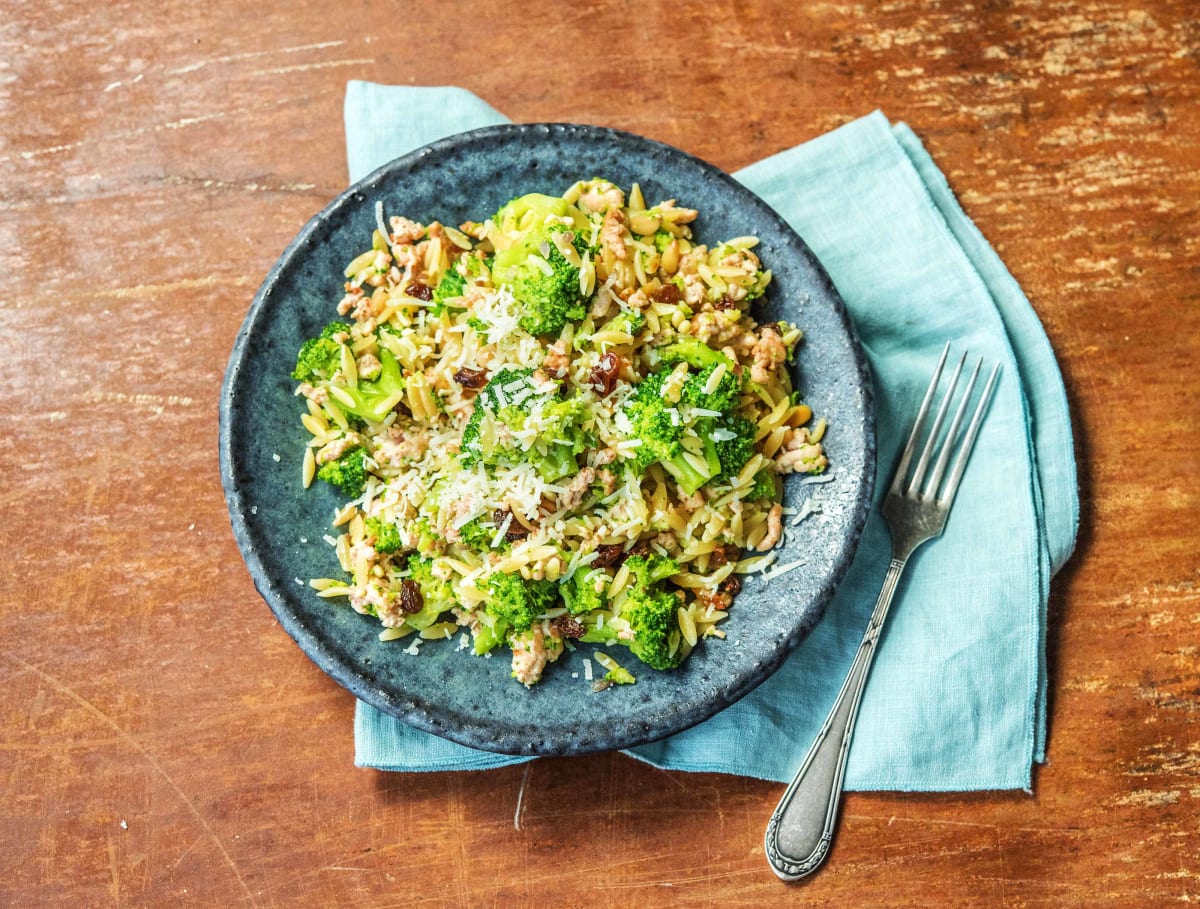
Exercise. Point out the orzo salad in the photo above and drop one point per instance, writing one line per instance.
(558, 425)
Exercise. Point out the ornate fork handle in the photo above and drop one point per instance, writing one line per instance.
(801, 829)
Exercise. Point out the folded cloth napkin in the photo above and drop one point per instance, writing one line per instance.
(957, 697)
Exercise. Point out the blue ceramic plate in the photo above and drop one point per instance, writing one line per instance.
(280, 526)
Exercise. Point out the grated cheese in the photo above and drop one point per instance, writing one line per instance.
(808, 508)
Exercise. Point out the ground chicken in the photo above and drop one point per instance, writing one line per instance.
(602, 196)
(612, 233)
(338, 447)
(608, 481)
(716, 327)
(318, 394)
(577, 490)
(798, 454)
(405, 231)
(769, 354)
(532, 652)
(774, 528)
(605, 456)
(401, 445)
(368, 366)
(377, 594)
(558, 358)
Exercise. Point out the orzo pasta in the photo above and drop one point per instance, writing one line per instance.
(559, 425)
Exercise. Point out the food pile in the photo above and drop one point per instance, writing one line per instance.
(558, 425)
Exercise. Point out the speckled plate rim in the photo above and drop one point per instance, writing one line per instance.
(489, 733)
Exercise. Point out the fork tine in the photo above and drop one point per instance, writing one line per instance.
(927, 451)
(939, 468)
(960, 463)
(906, 457)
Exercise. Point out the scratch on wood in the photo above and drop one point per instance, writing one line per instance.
(129, 740)
(521, 796)
(325, 64)
(230, 58)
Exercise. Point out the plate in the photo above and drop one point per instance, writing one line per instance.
(280, 527)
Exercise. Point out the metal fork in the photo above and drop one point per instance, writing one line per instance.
(801, 829)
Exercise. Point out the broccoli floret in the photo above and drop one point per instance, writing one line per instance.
(724, 396)
(450, 287)
(348, 473)
(658, 424)
(517, 602)
(321, 357)
(497, 434)
(651, 611)
(764, 486)
(374, 399)
(583, 592)
(478, 324)
(734, 437)
(479, 532)
(386, 534)
(629, 321)
(437, 594)
(534, 268)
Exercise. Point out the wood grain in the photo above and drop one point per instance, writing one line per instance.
(165, 743)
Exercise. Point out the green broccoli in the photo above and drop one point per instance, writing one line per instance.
(517, 602)
(583, 591)
(764, 486)
(386, 535)
(479, 532)
(374, 399)
(514, 423)
(650, 610)
(723, 397)
(541, 279)
(620, 676)
(658, 424)
(734, 438)
(451, 287)
(437, 594)
(348, 473)
(629, 321)
(695, 353)
(321, 357)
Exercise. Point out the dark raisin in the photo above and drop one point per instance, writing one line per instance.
(516, 530)
(419, 291)
(668, 293)
(723, 302)
(411, 601)
(604, 374)
(569, 627)
(469, 377)
(608, 555)
(732, 586)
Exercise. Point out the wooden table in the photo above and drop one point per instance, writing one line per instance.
(165, 743)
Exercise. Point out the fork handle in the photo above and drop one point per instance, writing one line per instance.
(801, 829)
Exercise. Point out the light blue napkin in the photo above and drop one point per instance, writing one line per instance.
(957, 697)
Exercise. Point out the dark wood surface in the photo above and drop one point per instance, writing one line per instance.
(165, 743)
